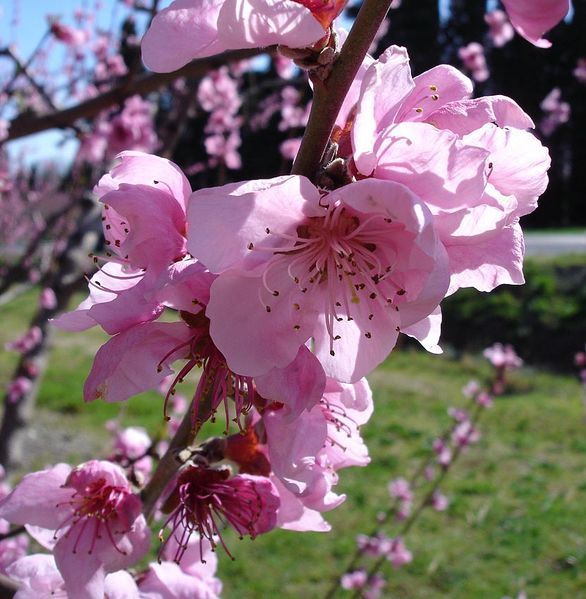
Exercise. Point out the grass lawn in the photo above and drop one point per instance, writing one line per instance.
(517, 517)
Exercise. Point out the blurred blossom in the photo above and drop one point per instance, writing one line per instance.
(556, 112)
(503, 356)
(474, 61)
(470, 389)
(580, 70)
(500, 29)
(18, 388)
(48, 299)
(439, 501)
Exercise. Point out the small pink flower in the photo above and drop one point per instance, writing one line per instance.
(484, 399)
(68, 35)
(48, 299)
(27, 342)
(579, 72)
(205, 498)
(400, 488)
(398, 553)
(470, 389)
(503, 356)
(465, 434)
(98, 524)
(439, 501)
(474, 61)
(354, 580)
(18, 388)
(501, 31)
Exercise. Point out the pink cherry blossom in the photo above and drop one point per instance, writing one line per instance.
(478, 179)
(131, 448)
(98, 524)
(68, 35)
(579, 72)
(532, 18)
(503, 356)
(18, 388)
(556, 112)
(204, 498)
(474, 61)
(200, 29)
(500, 29)
(398, 553)
(48, 299)
(400, 488)
(350, 269)
(439, 502)
(27, 342)
(354, 580)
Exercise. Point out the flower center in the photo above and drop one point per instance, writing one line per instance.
(205, 501)
(97, 505)
(346, 257)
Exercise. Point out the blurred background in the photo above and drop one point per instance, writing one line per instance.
(74, 93)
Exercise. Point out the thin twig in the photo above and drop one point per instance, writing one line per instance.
(170, 464)
(329, 94)
(26, 125)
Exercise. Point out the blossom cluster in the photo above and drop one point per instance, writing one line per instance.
(284, 293)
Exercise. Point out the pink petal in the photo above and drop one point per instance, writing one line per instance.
(138, 168)
(156, 223)
(239, 321)
(240, 213)
(188, 287)
(120, 585)
(167, 581)
(192, 25)
(82, 572)
(532, 18)
(258, 23)
(39, 499)
(433, 89)
(433, 163)
(427, 331)
(495, 261)
(299, 386)
(519, 163)
(135, 360)
(384, 87)
(293, 515)
(468, 115)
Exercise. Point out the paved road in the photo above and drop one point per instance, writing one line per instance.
(555, 244)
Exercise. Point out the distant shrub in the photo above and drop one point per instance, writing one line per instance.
(545, 319)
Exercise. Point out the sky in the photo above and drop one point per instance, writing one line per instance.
(22, 24)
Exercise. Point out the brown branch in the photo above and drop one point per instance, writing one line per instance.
(170, 462)
(329, 94)
(142, 85)
(8, 587)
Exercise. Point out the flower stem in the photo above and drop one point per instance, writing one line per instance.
(329, 94)
(170, 464)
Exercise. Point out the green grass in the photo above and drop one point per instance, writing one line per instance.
(517, 518)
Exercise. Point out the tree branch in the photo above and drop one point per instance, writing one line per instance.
(146, 83)
(170, 463)
(329, 94)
